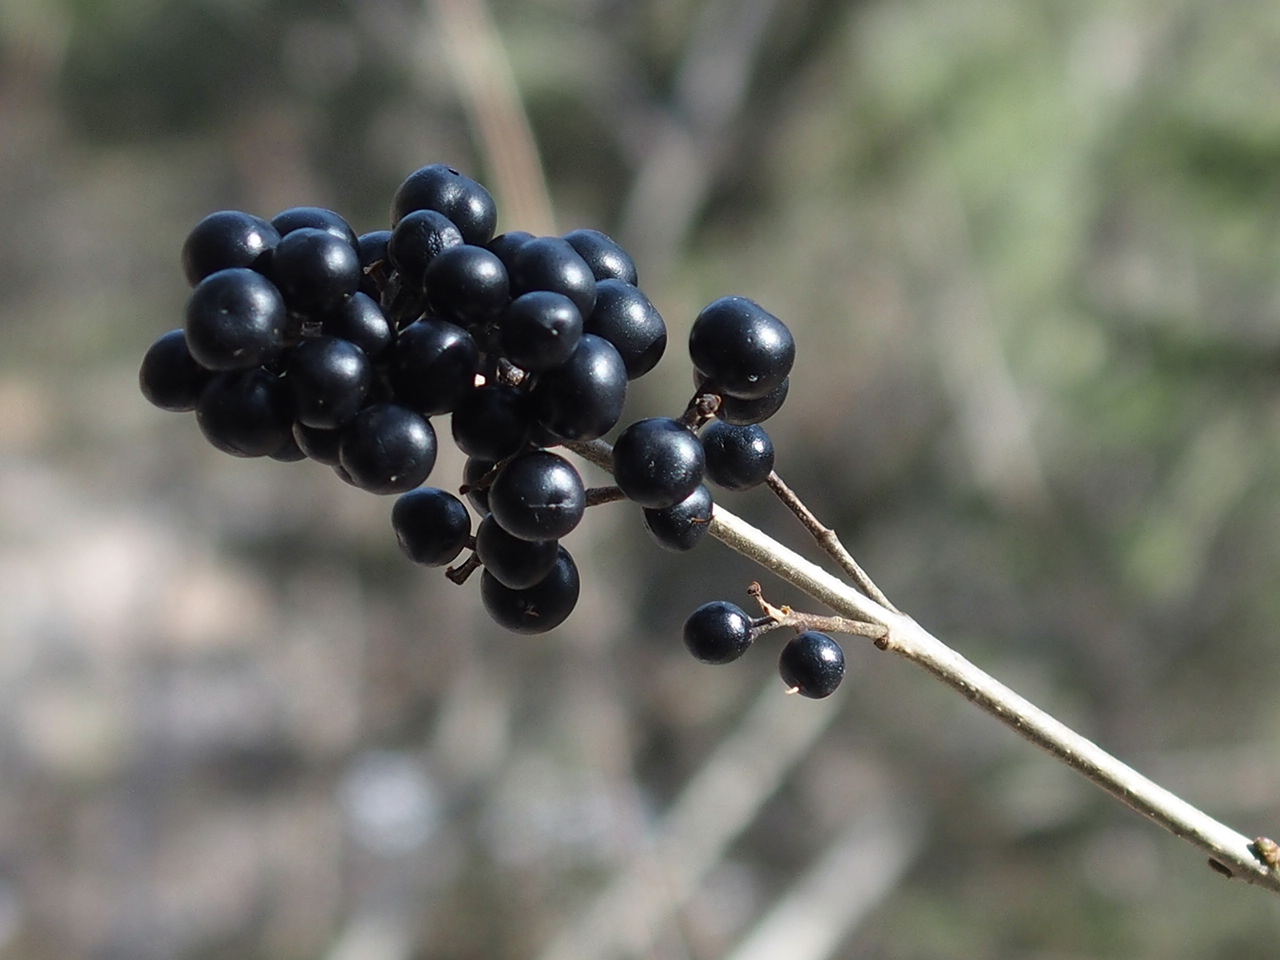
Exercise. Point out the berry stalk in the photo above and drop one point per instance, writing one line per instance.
(1229, 851)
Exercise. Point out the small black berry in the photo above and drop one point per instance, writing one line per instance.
(812, 665)
(718, 632)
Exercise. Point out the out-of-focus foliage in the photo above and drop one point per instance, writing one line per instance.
(1027, 249)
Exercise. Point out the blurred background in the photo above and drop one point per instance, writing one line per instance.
(1028, 249)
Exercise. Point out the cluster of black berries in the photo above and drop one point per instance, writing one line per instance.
(304, 340)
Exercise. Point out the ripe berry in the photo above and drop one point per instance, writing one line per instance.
(246, 413)
(431, 525)
(657, 462)
(538, 496)
(330, 379)
(433, 363)
(314, 218)
(506, 244)
(359, 319)
(473, 471)
(738, 457)
(812, 664)
(535, 609)
(315, 269)
(515, 563)
(466, 284)
(235, 319)
(441, 188)
(228, 238)
(718, 632)
(742, 412)
(603, 255)
(624, 316)
(582, 398)
(551, 263)
(540, 330)
(387, 448)
(416, 240)
(681, 526)
(492, 421)
(741, 347)
(322, 446)
(169, 377)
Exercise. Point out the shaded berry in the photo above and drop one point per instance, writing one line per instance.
(235, 319)
(169, 376)
(540, 330)
(492, 421)
(433, 363)
(322, 446)
(625, 317)
(466, 284)
(432, 526)
(682, 526)
(739, 457)
(582, 399)
(657, 462)
(359, 319)
(603, 255)
(551, 263)
(330, 379)
(535, 609)
(387, 448)
(416, 240)
(315, 269)
(246, 413)
(516, 563)
(314, 218)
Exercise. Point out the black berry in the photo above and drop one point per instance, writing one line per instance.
(247, 413)
(603, 255)
(718, 632)
(738, 457)
(235, 319)
(551, 263)
(228, 238)
(812, 664)
(387, 448)
(535, 609)
(681, 526)
(466, 284)
(515, 563)
(415, 242)
(582, 398)
(538, 496)
(441, 188)
(492, 421)
(330, 379)
(169, 377)
(432, 526)
(741, 348)
(315, 269)
(314, 218)
(624, 316)
(540, 330)
(657, 462)
(433, 363)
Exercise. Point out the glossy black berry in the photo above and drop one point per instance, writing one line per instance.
(374, 265)
(169, 377)
(432, 526)
(738, 457)
(538, 496)
(742, 412)
(551, 263)
(657, 462)
(246, 413)
(474, 471)
(466, 284)
(228, 238)
(493, 421)
(432, 364)
(322, 446)
(741, 348)
(682, 526)
(330, 379)
(535, 609)
(506, 244)
(359, 319)
(515, 563)
(416, 240)
(603, 255)
(314, 218)
(582, 399)
(441, 188)
(540, 330)
(718, 632)
(315, 269)
(235, 319)
(625, 317)
(812, 664)
(387, 448)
